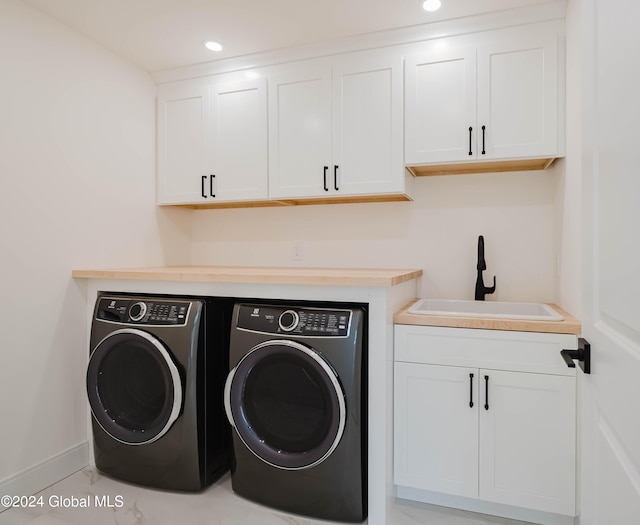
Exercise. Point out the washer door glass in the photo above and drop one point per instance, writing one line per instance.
(134, 387)
(286, 404)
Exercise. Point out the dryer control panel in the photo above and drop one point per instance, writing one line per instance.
(308, 322)
(143, 311)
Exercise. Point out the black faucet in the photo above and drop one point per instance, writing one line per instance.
(481, 289)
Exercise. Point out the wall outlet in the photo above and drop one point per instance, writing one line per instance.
(297, 252)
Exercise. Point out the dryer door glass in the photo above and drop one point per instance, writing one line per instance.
(133, 386)
(287, 404)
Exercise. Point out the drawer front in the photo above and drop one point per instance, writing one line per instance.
(494, 349)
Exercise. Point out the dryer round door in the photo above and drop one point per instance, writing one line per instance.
(286, 404)
(134, 387)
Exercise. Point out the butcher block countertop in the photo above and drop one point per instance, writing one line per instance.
(367, 277)
(570, 325)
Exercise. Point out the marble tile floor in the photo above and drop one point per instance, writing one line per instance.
(218, 505)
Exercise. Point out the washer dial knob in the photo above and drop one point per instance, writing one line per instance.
(137, 311)
(288, 320)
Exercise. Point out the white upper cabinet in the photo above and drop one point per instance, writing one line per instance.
(440, 114)
(183, 139)
(239, 140)
(495, 98)
(212, 142)
(300, 131)
(518, 97)
(367, 126)
(335, 129)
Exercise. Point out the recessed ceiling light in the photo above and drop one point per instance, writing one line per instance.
(431, 5)
(213, 46)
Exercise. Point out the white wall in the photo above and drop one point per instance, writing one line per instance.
(569, 194)
(77, 189)
(437, 232)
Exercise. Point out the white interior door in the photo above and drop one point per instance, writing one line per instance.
(610, 437)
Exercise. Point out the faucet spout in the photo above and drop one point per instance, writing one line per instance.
(481, 289)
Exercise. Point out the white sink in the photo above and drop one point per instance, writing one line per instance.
(493, 309)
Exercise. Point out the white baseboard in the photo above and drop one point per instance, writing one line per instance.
(483, 507)
(45, 474)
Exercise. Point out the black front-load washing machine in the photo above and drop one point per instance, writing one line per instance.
(155, 382)
(296, 399)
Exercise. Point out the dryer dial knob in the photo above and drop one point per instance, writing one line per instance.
(137, 311)
(288, 320)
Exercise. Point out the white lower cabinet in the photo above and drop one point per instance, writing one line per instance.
(501, 430)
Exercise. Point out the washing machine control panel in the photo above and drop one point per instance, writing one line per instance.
(308, 322)
(143, 311)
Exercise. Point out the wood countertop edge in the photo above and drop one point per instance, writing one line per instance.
(570, 325)
(376, 277)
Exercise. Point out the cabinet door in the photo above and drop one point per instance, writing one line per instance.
(183, 142)
(518, 97)
(527, 440)
(300, 132)
(435, 429)
(367, 126)
(440, 90)
(239, 140)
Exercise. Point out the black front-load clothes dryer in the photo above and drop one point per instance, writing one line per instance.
(296, 399)
(155, 381)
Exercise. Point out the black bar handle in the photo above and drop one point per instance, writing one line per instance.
(483, 151)
(326, 188)
(211, 177)
(486, 392)
(470, 130)
(582, 354)
(204, 177)
(470, 390)
(335, 176)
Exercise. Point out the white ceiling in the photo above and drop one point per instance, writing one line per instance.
(163, 34)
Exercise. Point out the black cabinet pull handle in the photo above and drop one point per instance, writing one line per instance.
(326, 188)
(486, 392)
(211, 177)
(483, 151)
(335, 176)
(470, 390)
(204, 177)
(470, 130)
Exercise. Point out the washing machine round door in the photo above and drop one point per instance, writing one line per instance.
(286, 404)
(134, 387)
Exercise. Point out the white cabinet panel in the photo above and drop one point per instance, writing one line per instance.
(183, 137)
(440, 92)
(300, 132)
(367, 126)
(212, 142)
(239, 142)
(433, 425)
(518, 97)
(528, 441)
